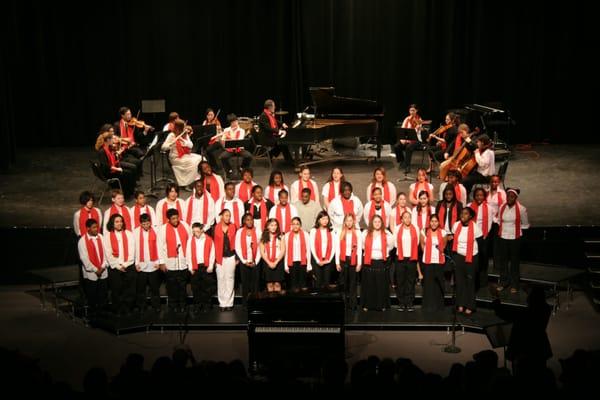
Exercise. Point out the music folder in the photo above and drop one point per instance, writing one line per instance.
(232, 144)
(406, 134)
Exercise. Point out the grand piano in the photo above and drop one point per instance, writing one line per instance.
(335, 117)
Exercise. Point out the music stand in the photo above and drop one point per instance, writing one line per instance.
(232, 144)
(201, 137)
(154, 148)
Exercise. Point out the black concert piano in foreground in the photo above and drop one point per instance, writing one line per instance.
(307, 327)
(335, 117)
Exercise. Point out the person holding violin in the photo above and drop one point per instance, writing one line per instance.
(215, 146)
(126, 159)
(112, 167)
(484, 156)
(184, 162)
(405, 148)
(442, 137)
(128, 128)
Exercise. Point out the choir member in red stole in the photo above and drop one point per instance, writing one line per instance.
(87, 211)
(348, 259)
(465, 253)
(322, 246)
(297, 255)
(200, 255)
(433, 241)
(398, 209)
(119, 249)
(147, 263)
(283, 211)
(243, 190)
(333, 187)
(94, 266)
(485, 216)
(223, 235)
(375, 284)
(272, 251)
(405, 269)
(247, 250)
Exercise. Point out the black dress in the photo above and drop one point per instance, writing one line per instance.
(374, 286)
(274, 275)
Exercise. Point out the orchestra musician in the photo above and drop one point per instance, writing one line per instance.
(484, 156)
(234, 132)
(184, 163)
(405, 148)
(112, 167)
(270, 131)
(442, 137)
(215, 147)
(169, 126)
(120, 147)
(133, 130)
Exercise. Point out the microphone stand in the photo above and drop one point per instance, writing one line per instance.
(452, 347)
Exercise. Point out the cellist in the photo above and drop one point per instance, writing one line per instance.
(484, 156)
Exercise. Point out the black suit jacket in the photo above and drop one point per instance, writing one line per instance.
(266, 134)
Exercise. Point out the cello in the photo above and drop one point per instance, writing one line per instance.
(462, 160)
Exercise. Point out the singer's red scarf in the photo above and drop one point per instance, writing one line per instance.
(165, 208)
(92, 254)
(263, 212)
(354, 250)
(171, 239)
(114, 244)
(207, 249)
(190, 209)
(319, 246)
(470, 240)
(484, 218)
(287, 224)
(214, 186)
(85, 214)
(253, 243)
(414, 252)
(152, 247)
(123, 212)
(136, 215)
(220, 240)
(369, 246)
(429, 246)
(290, 248)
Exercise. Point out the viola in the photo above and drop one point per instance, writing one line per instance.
(139, 124)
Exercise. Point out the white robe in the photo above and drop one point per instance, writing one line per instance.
(185, 168)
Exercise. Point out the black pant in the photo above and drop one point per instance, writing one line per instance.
(152, 279)
(404, 277)
(122, 288)
(507, 259)
(322, 273)
(204, 286)
(433, 287)
(128, 178)
(464, 277)
(96, 293)
(349, 281)
(297, 276)
(250, 280)
(410, 148)
(213, 152)
(176, 288)
(473, 178)
(227, 155)
(481, 274)
(281, 149)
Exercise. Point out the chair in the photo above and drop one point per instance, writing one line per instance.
(261, 150)
(107, 182)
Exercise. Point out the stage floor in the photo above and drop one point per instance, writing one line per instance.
(558, 183)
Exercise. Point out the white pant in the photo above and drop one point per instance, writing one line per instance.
(226, 281)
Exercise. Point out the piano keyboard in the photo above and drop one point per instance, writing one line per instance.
(297, 329)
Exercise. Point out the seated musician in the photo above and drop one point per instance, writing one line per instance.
(405, 148)
(126, 159)
(113, 168)
(234, 132)
(169, 127)
(215, 147)
(462, 133)
(485, 158)
(444, 138)
(184, 162)
(270, 131)
(127, 130)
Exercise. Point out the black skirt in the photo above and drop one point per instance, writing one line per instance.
(375, 286)
(274, 275)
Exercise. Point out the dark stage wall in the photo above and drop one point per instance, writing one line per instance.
(67, 67)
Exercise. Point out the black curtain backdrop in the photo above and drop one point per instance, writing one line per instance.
(66, 67)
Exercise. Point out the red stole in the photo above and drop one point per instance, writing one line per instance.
(319, 246)
(126, 131)
(111, 157)
(181, 149)
(420, 220)
(429, 246)
(151, 243)
(372, 212)
(517, 220)
(442, 214)
(236, 212)
(84, 215)
(263, 212)
(207, 248)
(399, 212)
(271, 195)
(290, 248)
(369, 246)
(214, 186)
(272, 120)
(220, 240)
(165, 208)
(470, 240)
(424, 187)
(332, 192)
(414, 252)
(124, 212)
(354, 245)
(311, 186)
(93, 253)
(347, 205)
(136, 215)
(386, 191)
(171, 239)
(457, 192)
(271, 248)
(500, 200)
(114, 244)
(245, 191)
(190, 209)
(287, 224)
(253, 243)
(233, 135)
(484, 218)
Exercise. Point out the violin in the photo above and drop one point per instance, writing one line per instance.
(139, 124)
(440, 141)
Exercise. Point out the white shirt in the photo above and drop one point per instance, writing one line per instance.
(313, 244)
(172, 263)
(348, 250)
(509, 219)
(463, 192)
(159, 210)
(384, 207)
(297, 249)
(423, 216)
(122, 211)
(238, 246)
(485, 162)
(493, 199)
(143, 210)
(233, 134)
(278, 250)
(376, 251)
(230, 205)
(147, 265)
(461, 247)
(406, 239)
(76, 220)
(199, 252)
(248, 195)
(492, 217)
(198, 210)
(435, 252)
(336, 189)
(220, 184)
(282, 224)
(116, 262)
(296, 193)
(88, 269)
(412, 188)
(391, 188)
(272, 193)
(336, 211)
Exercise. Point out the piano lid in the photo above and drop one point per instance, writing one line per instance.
(328, 105)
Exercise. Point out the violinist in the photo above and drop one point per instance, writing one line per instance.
(112, 167)
(405, 148)
(215, 147)
(128, 128)
(442, 137)
(169, 126)
(484, 156)
(119, 147)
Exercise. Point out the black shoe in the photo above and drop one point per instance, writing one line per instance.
(410, 308)
(402, 308)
